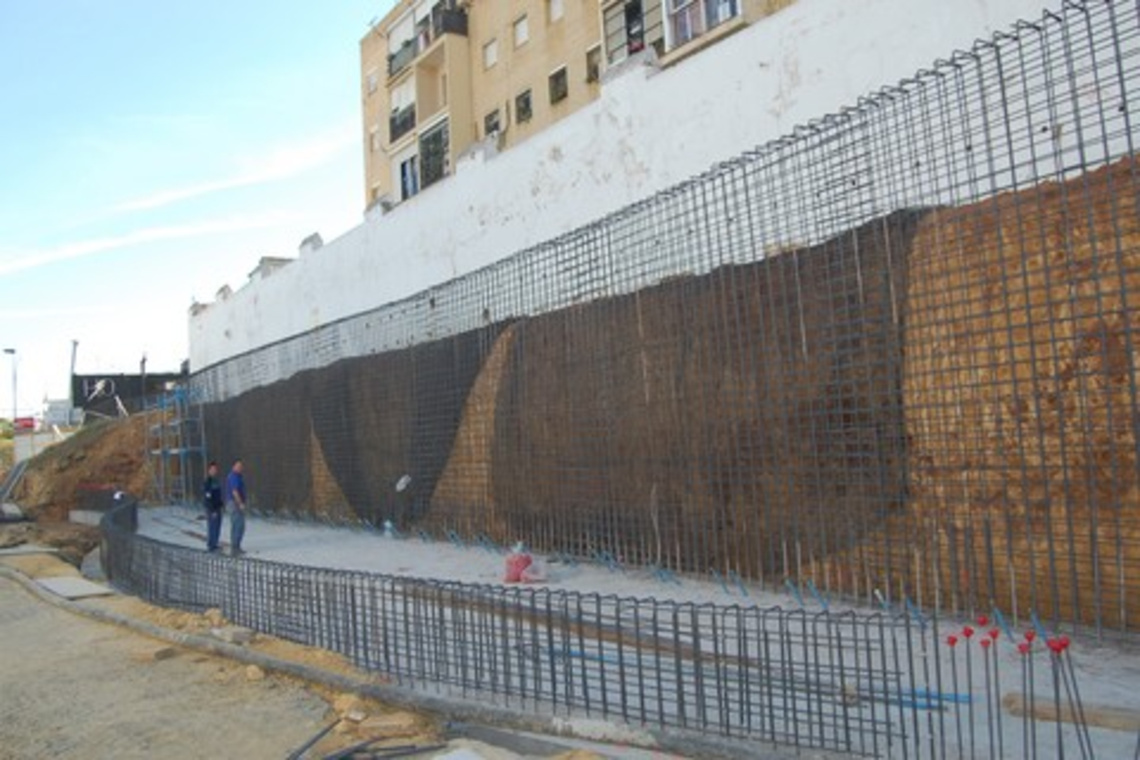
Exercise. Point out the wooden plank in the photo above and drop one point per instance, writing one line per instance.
(1100, 716)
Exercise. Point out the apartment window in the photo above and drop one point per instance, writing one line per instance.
(372, 81)
(635, 26)
(553, 10)
(559, 85)
(689, 19)
(594, 64)
(374, 139)
(491, 123)
(490, 54)
(522, 31)
(434, 148)
(624, 28)
(719, 11)
(523, 107)
(409, 177)
(401, 122)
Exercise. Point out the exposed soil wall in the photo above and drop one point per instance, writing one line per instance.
(1020, 394)
(742, 420)
(941, 403)
(335, 441)
(100, 458)
(464, 497)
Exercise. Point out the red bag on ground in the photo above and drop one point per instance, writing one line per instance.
(517, 562)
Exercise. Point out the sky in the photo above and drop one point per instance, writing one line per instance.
(151, 153)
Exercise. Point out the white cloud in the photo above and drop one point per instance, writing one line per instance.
(69, 251)
(48, 312)
(283, 162)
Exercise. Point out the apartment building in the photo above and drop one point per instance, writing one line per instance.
(675, 29)
(536, 61)
(439, 75)
(416, 90)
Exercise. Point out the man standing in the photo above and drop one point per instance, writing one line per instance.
(212, 498)
(235, 496)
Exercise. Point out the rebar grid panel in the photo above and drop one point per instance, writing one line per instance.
(866, 684)
(892, 354)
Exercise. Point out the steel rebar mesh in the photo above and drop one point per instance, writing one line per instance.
(893, 352)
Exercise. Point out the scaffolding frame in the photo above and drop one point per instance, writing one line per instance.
(175, 447)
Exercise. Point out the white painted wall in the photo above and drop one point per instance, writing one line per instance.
(649, 130)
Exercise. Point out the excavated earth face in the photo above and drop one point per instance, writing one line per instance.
(106, 456)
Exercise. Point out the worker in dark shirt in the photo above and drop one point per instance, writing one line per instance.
(212, 499)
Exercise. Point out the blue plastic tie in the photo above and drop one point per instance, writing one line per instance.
(818, 597)
(958, 699)
(795, 592)
(1040, 628)
(739, 583)
(913, 610)
(1002, 622)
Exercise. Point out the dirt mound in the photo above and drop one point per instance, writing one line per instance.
(6, 457)
(105, 456)
(78, 473)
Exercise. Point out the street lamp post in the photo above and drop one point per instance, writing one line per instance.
(12, 352)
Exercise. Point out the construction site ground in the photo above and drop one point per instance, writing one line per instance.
(111, 676)
(1108, 669)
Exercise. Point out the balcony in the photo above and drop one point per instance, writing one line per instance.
(403, 57)
(401, 123)
(445, 18)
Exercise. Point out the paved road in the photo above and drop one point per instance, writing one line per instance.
(75, 688)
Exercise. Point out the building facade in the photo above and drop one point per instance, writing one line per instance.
(438, 76)
(416, 89)
(674, 29)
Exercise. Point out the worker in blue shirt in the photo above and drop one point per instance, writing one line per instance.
(235, 497)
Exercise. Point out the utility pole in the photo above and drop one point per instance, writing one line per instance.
(12, 352)
(71, 383)
(142, 373)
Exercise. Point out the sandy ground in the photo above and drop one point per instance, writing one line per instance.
(74, 688)
(70, 540)
(77, 688)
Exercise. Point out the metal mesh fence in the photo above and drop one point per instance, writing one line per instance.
(870, 684)
(893, 354)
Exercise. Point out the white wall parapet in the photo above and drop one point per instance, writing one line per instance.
(649, 130)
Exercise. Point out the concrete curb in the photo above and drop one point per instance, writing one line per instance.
(570, 726)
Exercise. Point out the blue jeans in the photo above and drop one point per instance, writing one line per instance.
(213, 528)
(237, 528)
